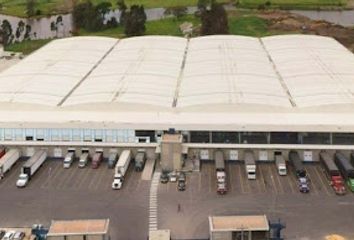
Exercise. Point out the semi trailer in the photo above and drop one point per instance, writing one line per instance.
(300, 172)
(97, 159)
(250, 165)
(121, 169)
(30, 167)
(69, 159)
(8, 160)
(112, 159)
(220, 172)
(332, 173)
(346, 168)
(84, 158)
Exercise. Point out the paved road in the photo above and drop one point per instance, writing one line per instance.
(308, 216)
(344, 18)
(76, 193)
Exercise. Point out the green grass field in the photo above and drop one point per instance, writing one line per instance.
(18, 7)
(292, 4)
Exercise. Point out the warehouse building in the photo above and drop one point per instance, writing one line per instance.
(268, 94)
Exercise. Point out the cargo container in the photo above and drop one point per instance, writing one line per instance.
(300, 172)
(140, 159)
(346, 168)
(30, 167)
(2, 152)
(8, 160)
(281, 165)
(121, 169)
(97, 159)
(332, 172)
(220, 172)
(250, 165)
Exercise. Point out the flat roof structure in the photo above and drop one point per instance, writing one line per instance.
(162, 234)
(238, 223)
(78, 227)
(217, 83)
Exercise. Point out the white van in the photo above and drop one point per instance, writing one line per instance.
(84, 159)
(281, 165)
(69, 159)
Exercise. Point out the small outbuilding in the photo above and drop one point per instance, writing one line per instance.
(96, 229)
(163, 234)
(239, 227)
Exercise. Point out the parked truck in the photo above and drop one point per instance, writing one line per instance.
(250, 165)
(112, 159)
(2, 152)
(121, 169)
(97, 159)
(346, 168)
(333, 173)
(69, 159)
(220, 172)
(140, 159)
(281, 165)
(30, 167)
(8, 160)
(84, 158)
(300, 172)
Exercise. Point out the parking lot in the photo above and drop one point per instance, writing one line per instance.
(307, 216)
(75, 193)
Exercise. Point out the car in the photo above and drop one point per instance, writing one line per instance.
(22, 180)
(164, 177)
(19, 236)
(181, 182)
(9, 235)
(173, 176)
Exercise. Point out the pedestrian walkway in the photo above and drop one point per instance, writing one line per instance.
(153, 201)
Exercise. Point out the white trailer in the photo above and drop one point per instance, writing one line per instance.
(8, 160)
(281, 165)
(31, 167)
(121, 169)
(250, 164)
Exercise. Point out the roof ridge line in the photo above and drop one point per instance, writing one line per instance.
(179, 78)
(280, 78)
(87, 74)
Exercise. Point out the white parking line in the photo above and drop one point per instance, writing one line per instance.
(153, 201)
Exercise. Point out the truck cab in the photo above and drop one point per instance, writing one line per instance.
(22, 180)
(303, 185)
(338, 185)
(69, 159)
(97, 159)
(117, 181)
(84, 159)
(221, 182)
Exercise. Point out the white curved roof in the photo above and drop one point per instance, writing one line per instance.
(140, 70)
(229, 70)
(290, 71)
(295, 82)
(317, 70)
(49, 74)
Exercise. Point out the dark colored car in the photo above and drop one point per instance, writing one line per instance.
(164, 177)
(181, 182)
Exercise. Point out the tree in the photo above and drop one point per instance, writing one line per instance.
(214, 21)
(134, 23)
(178, 12)
(122, 8)
(103, 8)
(20, 29)
(86, 16)
(6, 32)
(30, 8)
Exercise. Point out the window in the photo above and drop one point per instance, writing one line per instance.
(145, 133)
(225, 137)
(8, 134)
(254, 137)
(315, 138)
(65, 134)
(87, 135)
(283, 138)
(343, 138)
(29, 133)
(98, 135)
(200, 137)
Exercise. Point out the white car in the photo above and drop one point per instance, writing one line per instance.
(9, 235)
(19, 236)
(22, 180)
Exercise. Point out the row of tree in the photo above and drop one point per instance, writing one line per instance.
(7, 35)
(92, 18)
